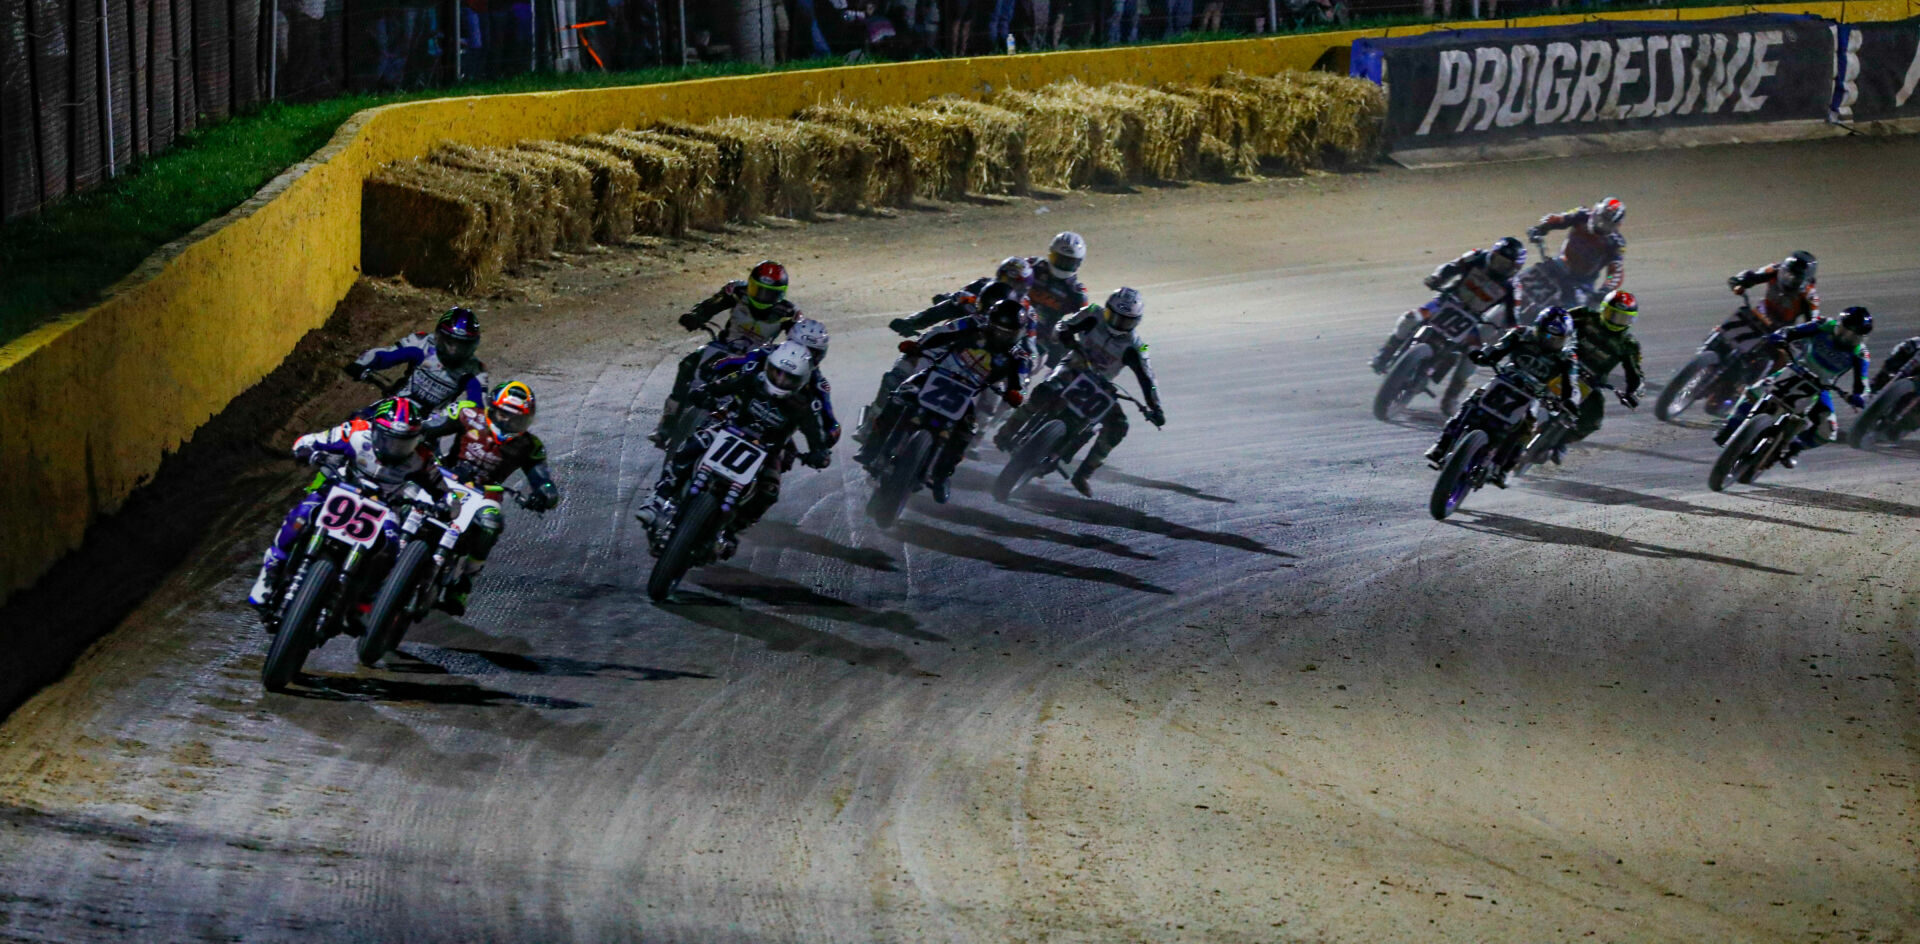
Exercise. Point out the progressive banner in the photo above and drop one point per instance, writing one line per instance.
(1483, 86)
(1879, 71)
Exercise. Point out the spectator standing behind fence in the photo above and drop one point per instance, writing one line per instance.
(1124, 24)
(1179, 17)
(1000, 25)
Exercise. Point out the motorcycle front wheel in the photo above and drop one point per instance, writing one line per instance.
(1685, 387)
(1030, 459)
(1865, 430)
(903, 473)
(1402, 381)
(676, 559)
(1456, 477)
(1774, 440)
(1732, 457)
(387, 619)
(295, 637)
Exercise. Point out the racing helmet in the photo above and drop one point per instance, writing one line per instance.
(456, 337)
(510, 409)
(1553, 327)
(1506, 256)
(1795, 272)
(786, 369)
(1606, 215)
(1619, 309)
(1124, 309)
(1005, 322)
(1065, 254)
(994, 294)
(766, 285)
(1857, 322)
(811, 335)
(395, 425)
(1015, 273)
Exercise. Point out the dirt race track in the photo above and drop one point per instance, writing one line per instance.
(1248, 692)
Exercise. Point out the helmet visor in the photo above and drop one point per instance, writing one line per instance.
(1062, 263)
(455, 351)
(1620, 319)
(1123, 321)
(1501, 266)
(782, 381)
(511, 423)
(394, 448)
(1001, 337)
(762, 295)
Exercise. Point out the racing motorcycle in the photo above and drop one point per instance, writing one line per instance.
(328, 576)
(690, 418)
(1891, 415)
(1554, 428)
(1780, 416)
(1429, 356)
(692, 529)
(1048, 442)
(1547, 283)
(938, 402)
(1495, 433)
(1726, 363)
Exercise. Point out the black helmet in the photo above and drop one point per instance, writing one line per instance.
(1796, 270)
(1511, 252)
(1005, 321)
(994, 294)
(1857, 320)
(456, 337)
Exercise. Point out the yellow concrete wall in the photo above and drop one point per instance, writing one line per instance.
(90, 404)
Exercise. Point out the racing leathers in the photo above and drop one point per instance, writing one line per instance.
(961, 353)
(1539, 357)
(1778, 309)
(1097, 348)
(1586, 254)
(429, 383)
(352, 445)
(740, 400)
(1054, 296)
(477, 462)
(1823, 352)
(945, 307)
(1601, 349)
(909, 364)
(746, 328)
(817, 392)
(1479, 292)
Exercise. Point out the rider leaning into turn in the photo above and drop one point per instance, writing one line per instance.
(1538, 350)
(1594, 246)
(1829, 347)
(988, 349)
(488, 444)
(1482, 281)
(1604, 340)
(1013, 272)
(1896, 363)
(1057, 291)
(1792, 293)
(382, 452)
(765, 401)
(818, 393)
(757, 312)
(907, 364)
(440, 366)
(1102, 340)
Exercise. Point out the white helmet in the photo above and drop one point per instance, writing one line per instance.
(811, 335)
(1065, 254)
(1125, 308)
(786, 369)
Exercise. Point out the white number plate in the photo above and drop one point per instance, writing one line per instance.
(946, 395)
(734, 458)
(352, 518)
(1459, 326)
(1505, 401)
(1086, 398)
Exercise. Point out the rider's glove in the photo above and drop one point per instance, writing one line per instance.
(1432, 281)
(1629, 400)
(1535, 234)
(909, 347)
(692, 321)
(355, 370)
(1859, 402)
(539, 501)
(1479, 355)
(1157, 416)
(1733, 282)
(1014, 397)
(902, 327)
(449, 504)
(817, 459)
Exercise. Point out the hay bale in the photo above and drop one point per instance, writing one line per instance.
(706, 197)
(1356, 110)
(536, 209)
(790, 162)
(1172, 128)
(1307, 118)
(616, 186)
(744, 172)
(436, 226)
(1229, 120)
(663, 204)
(996, 143)
(845, 165)
(572, 198)
(1062, 138)
(897, 137)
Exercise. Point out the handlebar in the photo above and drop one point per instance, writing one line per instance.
(387, 386)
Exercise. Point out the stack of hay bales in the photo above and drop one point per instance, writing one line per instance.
(1120, 156)
(663, 203)
(909, 150)
(1062, 140)
(1172, 127)
(995, 138)
(1307, 118)
(435, 226)
(744, 170)
(706, 197)
(616, 187)
(1231, 123)
(536, 207)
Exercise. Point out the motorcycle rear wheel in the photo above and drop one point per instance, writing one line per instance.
(294, 639)
(387, 619)
(909, 463)
(1456, 477)
(1030, 459)
(1401, 382)
(1685, 387)
(688, 533)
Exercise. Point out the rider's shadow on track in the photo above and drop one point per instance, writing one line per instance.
(801, 600)
(784, 635)
(1540, 532)
(1003, 526)
(1093, 511)
(788, 536)
(1609, 495)
(1830, 501)
(1006, 558)
(325, 686)
(1189, 491)
(456, 660)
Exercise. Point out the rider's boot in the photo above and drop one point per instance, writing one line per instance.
(1083, 475)
(669, 412)
(453, 600)
(1436, 452)
(1734, 419)
(1557, 453)
(262, 593)
(650, 511)
(942, 489)
(1386, 354)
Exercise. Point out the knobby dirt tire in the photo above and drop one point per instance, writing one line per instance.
(1731, 456)
(1401, 378)
(674, 562)
(1454, 483)
(1029, 456)
(295, 637)
(909, 463)
(1685, 387)
(387, 619)
(1865, 430)
(1762, 457)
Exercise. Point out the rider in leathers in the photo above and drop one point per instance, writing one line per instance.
(1057, 291)
(987, 353)
(1482, 280)
(906, 365)
(1830, 347)
(766, 401)
(440, 366)
(816, 390)
(1604, 340)
(757, 311)
(1014, 272)
(1538, 350)
(1594, 246)
(382, 452)
(1792, 295)
(488, 444)
(1102, 340)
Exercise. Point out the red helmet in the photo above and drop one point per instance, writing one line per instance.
(1606, 216)
(767, 285)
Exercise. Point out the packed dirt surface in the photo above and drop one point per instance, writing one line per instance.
(1249, 691)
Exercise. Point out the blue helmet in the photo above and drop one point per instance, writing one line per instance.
(1554, 323)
